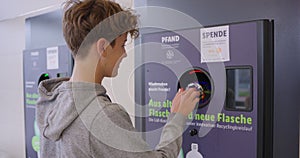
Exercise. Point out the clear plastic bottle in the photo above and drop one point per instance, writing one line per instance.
(194, 152)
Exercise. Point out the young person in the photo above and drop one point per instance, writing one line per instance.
(75, 116)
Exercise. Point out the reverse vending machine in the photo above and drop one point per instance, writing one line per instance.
(40, 64)
(232, 66)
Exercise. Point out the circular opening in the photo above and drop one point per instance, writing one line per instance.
(43, 77)
(201, 77)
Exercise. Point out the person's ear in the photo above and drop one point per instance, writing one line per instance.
(101, 45)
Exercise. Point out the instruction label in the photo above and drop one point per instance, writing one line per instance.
(214, 44)
(52, 58)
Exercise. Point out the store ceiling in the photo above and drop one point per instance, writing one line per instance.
(10, 9)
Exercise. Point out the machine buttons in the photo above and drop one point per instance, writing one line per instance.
(193, 132)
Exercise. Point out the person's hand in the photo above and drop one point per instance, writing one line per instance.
(176, 101)
(184, 102)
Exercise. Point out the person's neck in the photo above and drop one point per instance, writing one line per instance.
(83, 72)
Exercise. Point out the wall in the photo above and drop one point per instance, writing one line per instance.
(287, 53)
(12, 43)
(16, 8)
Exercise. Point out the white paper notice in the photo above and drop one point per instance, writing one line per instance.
(215, 44)
(52, 58)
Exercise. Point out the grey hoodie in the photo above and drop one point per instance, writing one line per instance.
(77, 119)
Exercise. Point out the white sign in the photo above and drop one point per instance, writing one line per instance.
(215, 44)
(34, 53)
(52, 58)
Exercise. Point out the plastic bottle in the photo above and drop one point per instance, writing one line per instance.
(194, 152)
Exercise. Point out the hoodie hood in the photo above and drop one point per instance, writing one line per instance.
(61, 102)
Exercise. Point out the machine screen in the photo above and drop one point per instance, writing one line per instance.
(239, 89)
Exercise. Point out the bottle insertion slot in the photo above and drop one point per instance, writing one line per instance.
(200, 79)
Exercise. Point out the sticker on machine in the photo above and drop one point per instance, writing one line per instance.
(52, 58)
(214, 44)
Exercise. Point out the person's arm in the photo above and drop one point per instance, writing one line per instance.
(112, 134)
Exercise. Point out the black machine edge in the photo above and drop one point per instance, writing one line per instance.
(265, 88)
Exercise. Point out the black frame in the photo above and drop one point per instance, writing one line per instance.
(251, 88)
(265, 30)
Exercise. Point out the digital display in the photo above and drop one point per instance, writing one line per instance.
(239, 88)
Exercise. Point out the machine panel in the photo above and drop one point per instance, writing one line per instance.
(230, 71)
(39, 65)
